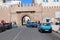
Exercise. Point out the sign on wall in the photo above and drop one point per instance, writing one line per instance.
(25, 11)
(57, 14)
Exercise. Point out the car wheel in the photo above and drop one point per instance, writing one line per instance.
(3, 29)
(36, 26)
(50, 31)
(39, 30)
(0, 30)
(32, 26)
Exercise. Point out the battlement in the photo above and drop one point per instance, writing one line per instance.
(30, 7)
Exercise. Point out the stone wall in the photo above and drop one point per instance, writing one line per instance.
(40, 13)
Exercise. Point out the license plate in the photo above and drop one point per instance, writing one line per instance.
(46, 30)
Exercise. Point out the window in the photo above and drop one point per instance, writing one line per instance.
(56, 0)
(8, 0)
(45, 0)
(18, 0)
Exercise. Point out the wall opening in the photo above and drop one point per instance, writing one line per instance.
(25, 18)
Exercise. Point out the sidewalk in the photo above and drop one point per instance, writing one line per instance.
(58, 32)
(55, 28)
(57, 35)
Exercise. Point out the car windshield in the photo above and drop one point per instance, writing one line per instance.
(46, 24)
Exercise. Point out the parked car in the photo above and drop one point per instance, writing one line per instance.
(57, 23)
(34, 24)
(29, 24)
(2, 28)
(45, 27)
(7, 25)
(14, 25)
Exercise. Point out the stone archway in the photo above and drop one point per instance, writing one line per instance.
(25, 18)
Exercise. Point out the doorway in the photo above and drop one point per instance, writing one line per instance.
(25, 19)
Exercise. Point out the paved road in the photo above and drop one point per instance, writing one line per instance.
(23, 33)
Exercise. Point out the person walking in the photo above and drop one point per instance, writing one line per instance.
(38, 22)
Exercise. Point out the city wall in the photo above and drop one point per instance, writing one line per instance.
(10, 14)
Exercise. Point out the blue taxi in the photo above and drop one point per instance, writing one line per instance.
(45, 27)
(31, 24)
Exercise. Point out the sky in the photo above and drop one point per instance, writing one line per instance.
(25, 1)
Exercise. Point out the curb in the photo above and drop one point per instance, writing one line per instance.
(57, 34)
(56, 31)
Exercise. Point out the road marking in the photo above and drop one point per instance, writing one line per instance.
(16, 36)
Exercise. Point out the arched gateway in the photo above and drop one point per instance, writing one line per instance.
(25, 18)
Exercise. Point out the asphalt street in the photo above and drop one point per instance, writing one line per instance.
(24, 33)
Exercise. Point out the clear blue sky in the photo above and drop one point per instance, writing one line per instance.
(25, 1)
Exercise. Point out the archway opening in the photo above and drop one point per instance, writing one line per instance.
(25, 18)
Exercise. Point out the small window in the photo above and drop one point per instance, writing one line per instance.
(56, 0)
(8, 0)
(45, 0)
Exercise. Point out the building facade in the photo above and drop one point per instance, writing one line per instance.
(39, 10)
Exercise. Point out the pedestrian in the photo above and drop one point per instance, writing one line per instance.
(38, 22)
